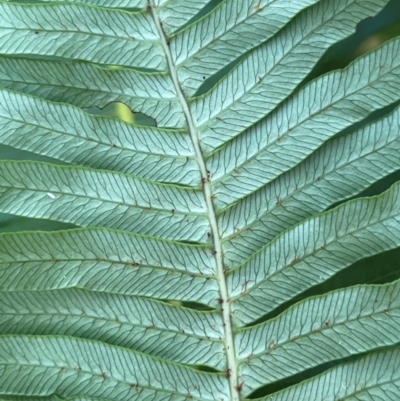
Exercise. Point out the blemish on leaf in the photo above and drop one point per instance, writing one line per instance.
(133, 385)
(244, 286)
(295, 260)
(271, 344)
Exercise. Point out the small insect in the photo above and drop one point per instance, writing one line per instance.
(239, 387)
(50, 195)
(220, 300)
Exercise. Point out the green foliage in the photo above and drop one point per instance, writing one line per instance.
(196, 246)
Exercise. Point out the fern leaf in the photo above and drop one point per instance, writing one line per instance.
(194, 242)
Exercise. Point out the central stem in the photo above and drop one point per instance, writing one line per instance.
(232, 371)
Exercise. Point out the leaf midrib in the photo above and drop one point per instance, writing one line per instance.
(136, 386)
(313, 332)
(304, 257)
(223, 32)
(366, 388)
(87, 88)
(99, 198)
(257, 83)
(232, 366)
(110, 261)
(91, 139)
(119, 322)
(301, 189)
(297, 127)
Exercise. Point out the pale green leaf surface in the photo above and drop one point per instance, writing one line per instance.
(86, 85)
(319, 330)
(176, 13)
(105, 3)
(228, 32)
(87, 197)
(161, 330)
(311, 252)
(340, 169)
(69, 366)
(108, 261)
(65, 133)
(266, 76)
(214, 207)
(299, 126)
(82, 33)
(375, 377)
(50, 398)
